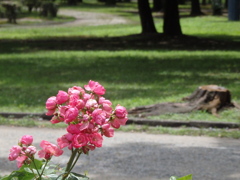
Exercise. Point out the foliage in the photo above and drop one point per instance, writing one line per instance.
(188, 177)
(89, 117)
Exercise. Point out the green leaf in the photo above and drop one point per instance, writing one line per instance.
(188, 177)
(173, 178)
(20, 175)
(76, 176)
(37, 163)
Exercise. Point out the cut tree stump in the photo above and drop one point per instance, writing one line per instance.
(210, 98)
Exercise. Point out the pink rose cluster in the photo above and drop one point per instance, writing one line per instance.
(88, 114)
(24, 152)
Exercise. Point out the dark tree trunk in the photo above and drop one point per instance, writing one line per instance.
(195, 8)
(30, 7)
(146, 18)
(217, 7)
(181, 1)
(111, 2)
(204, 2)
(72, 2)
(226, 4)
(157, 5)
(171, 24)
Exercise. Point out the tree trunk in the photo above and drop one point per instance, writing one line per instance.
(181, 1)
(195, 8)
(157, 5)
(111, 2)
(217, 7)
(204, 2)
(146, 18)
(210, 98)
(226, 4)
(171, 24)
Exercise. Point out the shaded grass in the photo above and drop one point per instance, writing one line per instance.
(230, 115)
(132, 78)
(36, 62)
(207, 26)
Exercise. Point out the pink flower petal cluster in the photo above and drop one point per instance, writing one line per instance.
(95, 87)
(22, 152)
(26, 140)
(120, 117)
(88, 114)
(49, 150)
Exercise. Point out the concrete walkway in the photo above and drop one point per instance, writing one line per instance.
(140, 156)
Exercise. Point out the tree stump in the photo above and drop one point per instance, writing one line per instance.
(210, 98)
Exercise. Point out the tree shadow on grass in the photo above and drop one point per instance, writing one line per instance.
(138, 41)
(32, 79)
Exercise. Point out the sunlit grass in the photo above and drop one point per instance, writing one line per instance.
(132, 78)
(212, 132)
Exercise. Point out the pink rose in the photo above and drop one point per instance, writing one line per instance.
(106, 105)
(117, 122)
(15, 151)
(73, 129)
(68, 113)
(26, 140)
(62, 97)
(65, 141)
(49, 150)
(31, 150)
(107, 130)
(91, 104)
(51, 103)
(99, 116)
(75, 90)
(50, 112)
(86, 97)
(56, 119)
(120, 111)
(96, 139)
(95, 87)
(74, 101)
(21, 160)
(79, 140)
(88, 148)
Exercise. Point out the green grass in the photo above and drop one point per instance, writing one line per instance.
(30, 74)
(207, 26)
(217, 27)
(131, 78)
(210, 132)
(231, 115)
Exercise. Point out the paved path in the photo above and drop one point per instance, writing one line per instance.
(91, 18)
(141, 156)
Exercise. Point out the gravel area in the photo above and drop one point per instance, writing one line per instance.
(140, 156)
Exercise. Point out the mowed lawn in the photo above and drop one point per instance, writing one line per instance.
(132, 78)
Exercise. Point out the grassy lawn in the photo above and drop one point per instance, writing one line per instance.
(37, 62)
